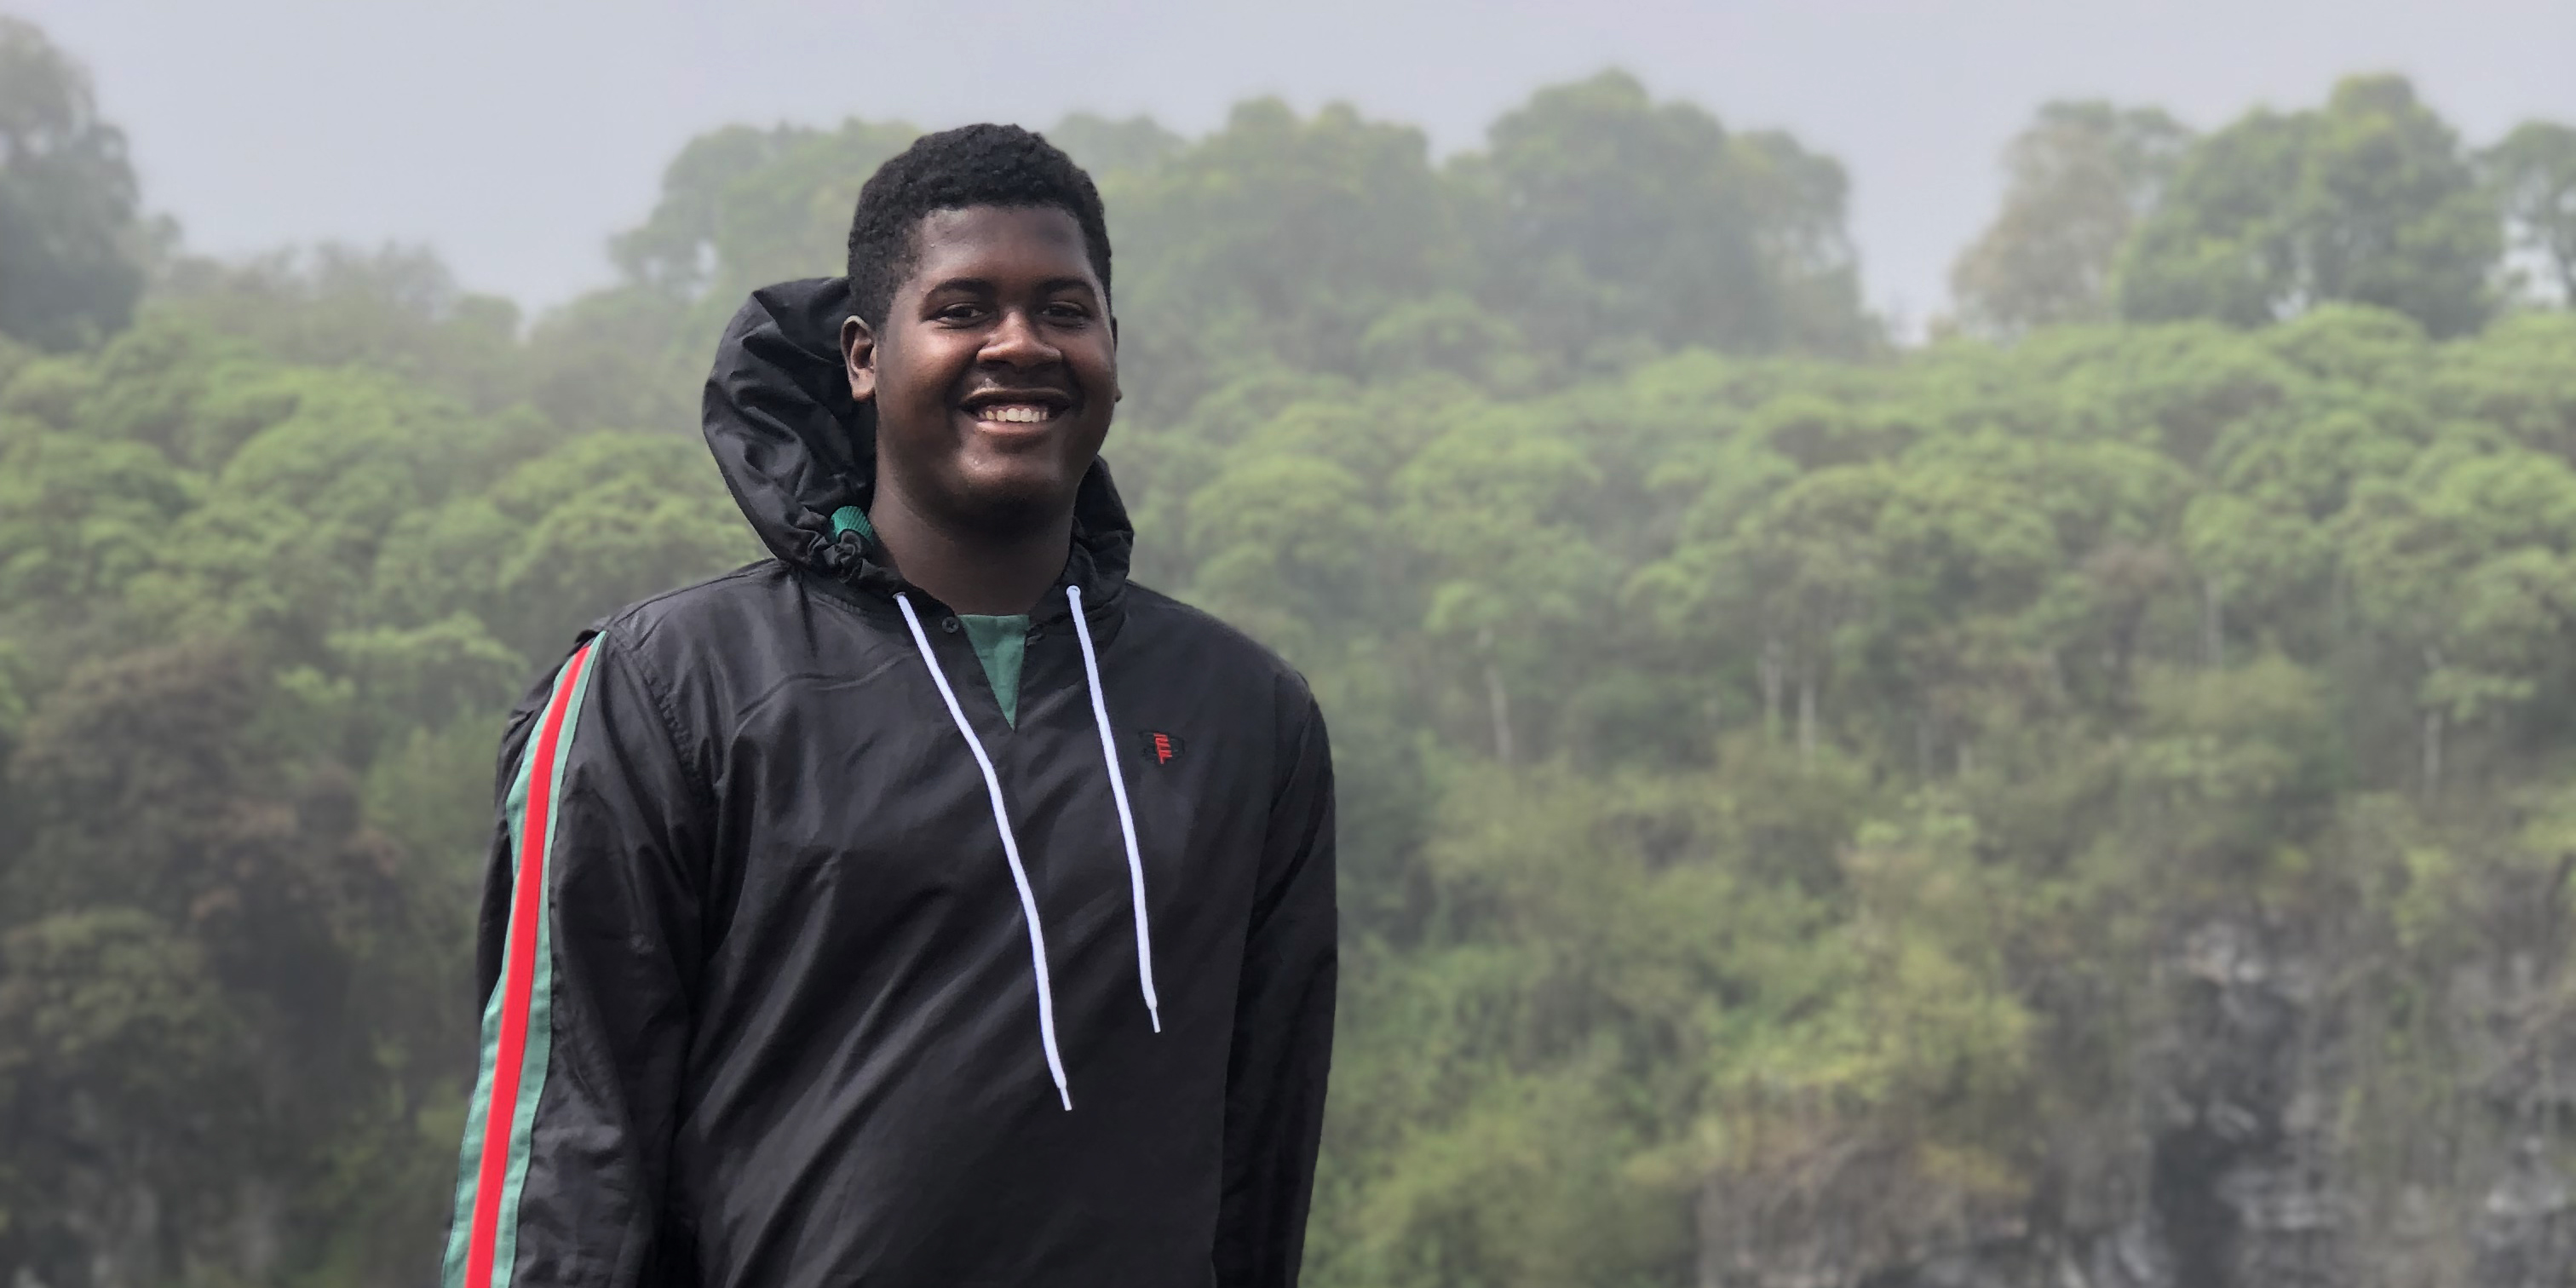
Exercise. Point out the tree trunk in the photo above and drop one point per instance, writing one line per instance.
(2338, 608)
(2213, 624)
(1806, 717)
(1772, 672)
(1497, 701)
(2432, 752)
(2433, 730)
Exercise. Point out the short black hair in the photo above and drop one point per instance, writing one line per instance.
(972, 165)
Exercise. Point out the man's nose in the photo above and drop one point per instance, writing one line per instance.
(1019, 342)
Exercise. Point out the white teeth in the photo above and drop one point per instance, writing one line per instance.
(1014, 413)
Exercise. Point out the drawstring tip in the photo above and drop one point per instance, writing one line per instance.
(1156, 1014)
(1067, 1095)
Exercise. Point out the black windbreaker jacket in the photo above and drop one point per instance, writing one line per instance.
(766, 1004)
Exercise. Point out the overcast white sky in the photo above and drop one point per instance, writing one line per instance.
(514, 136)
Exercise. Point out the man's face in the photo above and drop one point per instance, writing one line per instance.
(996, 371)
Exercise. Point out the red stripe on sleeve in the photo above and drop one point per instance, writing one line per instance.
(527, 903)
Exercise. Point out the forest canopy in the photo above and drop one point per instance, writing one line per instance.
(2083, 799)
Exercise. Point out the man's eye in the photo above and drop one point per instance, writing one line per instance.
(958, 313)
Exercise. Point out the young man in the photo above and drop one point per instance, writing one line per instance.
(925, 905)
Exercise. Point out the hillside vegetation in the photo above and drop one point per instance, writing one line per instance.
(2089, 799)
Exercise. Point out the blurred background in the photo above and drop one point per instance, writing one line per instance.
(1948, 627)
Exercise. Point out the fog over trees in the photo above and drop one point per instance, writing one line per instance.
(2087, 799)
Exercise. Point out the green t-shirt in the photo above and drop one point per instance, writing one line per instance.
(1001, 644)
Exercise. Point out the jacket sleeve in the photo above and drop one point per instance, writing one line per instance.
(1283, 1028)
(587, 953)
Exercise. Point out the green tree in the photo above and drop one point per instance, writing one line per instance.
(1105, 147)
(2077, 180)
(1624, 221)
(1800, 200)
(395, 309)
(1494, 505)
(69, 236)
(2465, 565)
(2370, 199)
(2533, 171)
(1275, 240)
(105, 1009)
(742, 207)
(210, 1004)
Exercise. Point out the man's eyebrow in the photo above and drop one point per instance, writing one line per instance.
(985, 284)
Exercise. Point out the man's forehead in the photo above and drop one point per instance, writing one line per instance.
(984, 231)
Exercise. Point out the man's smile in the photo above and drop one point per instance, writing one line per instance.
(1016, 410)
(1014, 414)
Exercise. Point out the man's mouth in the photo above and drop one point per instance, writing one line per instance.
(1014, 413)
(1017, 409)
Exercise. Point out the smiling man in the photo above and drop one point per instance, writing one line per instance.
(925, 904)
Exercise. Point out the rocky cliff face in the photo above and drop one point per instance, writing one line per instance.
(2238, 1168)
(2525, 1235)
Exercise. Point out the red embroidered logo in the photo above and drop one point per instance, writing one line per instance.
(1159, 747)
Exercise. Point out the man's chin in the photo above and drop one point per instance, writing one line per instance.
(1014, 506)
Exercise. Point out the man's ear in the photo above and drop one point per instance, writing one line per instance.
(859, 358)
(1117, 392)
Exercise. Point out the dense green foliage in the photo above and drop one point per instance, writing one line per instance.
(2371, 199)
(1799, 798)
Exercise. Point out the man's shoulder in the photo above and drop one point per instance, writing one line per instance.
(1215, 647)
(720, 607)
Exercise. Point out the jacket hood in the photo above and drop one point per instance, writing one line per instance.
(799, 454)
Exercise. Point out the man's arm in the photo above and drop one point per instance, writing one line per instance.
(1283, 1029)
(588, 950)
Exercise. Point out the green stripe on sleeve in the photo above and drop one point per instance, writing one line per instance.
(460, 1231)
(532, 1083)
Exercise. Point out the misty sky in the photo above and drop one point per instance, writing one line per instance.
(514, 137)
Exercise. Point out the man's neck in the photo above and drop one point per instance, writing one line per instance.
(977, 573)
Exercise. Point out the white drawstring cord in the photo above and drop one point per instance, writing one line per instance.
(1010, 850)
(1126, 817)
